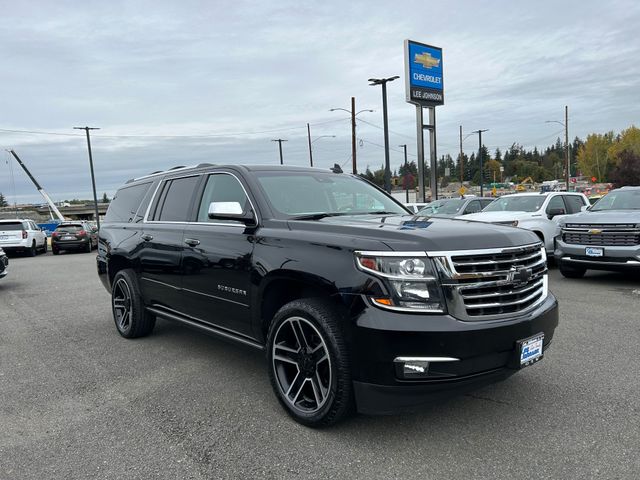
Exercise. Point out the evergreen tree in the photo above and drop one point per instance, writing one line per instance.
(3, 201)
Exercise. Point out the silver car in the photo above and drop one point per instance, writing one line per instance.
(604, 237)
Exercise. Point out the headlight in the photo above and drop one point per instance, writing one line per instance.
(411, 280)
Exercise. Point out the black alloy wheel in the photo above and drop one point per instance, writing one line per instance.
(309, 363)
(45, 245)
(131, 318)
(33, 251)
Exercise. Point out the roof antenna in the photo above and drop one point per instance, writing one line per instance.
(336, 168)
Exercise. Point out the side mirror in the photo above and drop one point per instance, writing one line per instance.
(584, 208)
(229, 211)
(555, 212)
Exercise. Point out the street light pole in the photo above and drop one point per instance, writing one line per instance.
(479, 132)
(567, 166)
(93, 177)
(280, 140)
(406, 171)
(353, 114)
(387, 166)
(313, 141)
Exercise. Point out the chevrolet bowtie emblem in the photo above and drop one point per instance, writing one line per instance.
(426, 60)
(595, 231)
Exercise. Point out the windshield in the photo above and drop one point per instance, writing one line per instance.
(619, 200)
(293, 194)
(449, 207)
(513, 203)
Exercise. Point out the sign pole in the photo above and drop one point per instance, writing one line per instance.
(433, 154)
(420, 150)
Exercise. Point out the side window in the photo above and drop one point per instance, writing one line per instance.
(473, 207)
(221, 187)
(125, 203)
(555, 203)
(484, 203)
(574, 203)
(175, 202)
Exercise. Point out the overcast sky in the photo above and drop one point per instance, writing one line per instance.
(178, 83)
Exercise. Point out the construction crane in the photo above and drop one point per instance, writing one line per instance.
(521, 186)
(52, 205)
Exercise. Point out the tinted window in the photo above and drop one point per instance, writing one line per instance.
(176, 200)
(221, 188)
(556, 203)
(11, 226)
(126, 202)
(485, 202)
(473, 207)
(69, 228)
(574, 203)
(619, 200)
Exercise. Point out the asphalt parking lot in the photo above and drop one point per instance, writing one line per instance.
(79, 401)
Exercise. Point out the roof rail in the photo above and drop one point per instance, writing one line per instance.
(176, 167)
(205, 165)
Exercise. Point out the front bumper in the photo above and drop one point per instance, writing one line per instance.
(486, 353)
(616, 258)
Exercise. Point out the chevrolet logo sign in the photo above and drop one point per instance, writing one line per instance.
(595, 231)
(426, 60)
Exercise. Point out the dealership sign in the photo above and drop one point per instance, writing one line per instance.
(423, 74)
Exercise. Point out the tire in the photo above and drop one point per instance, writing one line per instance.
(88, 247)
(33, 251)
(308, 362)
(570, 272)
(55, 250)
(131, 318)
(45, 245)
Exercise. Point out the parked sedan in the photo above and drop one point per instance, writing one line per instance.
(73, 236)
(453, 207)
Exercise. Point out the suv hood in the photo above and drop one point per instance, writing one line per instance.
(606, 216)
(500, 216)
(404, 232)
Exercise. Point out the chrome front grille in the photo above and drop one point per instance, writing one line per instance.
(603, 235)
(493, 284)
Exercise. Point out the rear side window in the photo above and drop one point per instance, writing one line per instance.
(10, 226)
(126, 202)
(175, 200)
(574, 203)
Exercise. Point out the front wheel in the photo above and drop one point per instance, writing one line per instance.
(131, 318)
(309, 364)
(571, 272)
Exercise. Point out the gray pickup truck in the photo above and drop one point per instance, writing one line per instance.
(605, 237)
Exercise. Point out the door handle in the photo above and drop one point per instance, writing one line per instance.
(146, 237)
(192, 242)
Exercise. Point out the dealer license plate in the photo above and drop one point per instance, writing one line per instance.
(68, 238)
(531, 350)
(4, 237)
(594, 252)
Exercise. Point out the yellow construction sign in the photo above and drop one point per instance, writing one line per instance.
(494, 191)
(462, 191)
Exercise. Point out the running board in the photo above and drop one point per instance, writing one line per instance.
(211, 330)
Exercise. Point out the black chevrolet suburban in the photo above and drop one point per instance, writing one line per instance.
(356, 303)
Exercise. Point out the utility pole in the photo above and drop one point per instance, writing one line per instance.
(353, 136)
(93, 177)
(353, 114)
(406, 172)
(479, 132)
(566, 143)
(385, 124)
(309, 138)
(280, 140)
(461, 160)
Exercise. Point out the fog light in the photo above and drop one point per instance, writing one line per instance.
(413, 368)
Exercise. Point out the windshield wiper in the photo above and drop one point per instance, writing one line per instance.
(318, 216)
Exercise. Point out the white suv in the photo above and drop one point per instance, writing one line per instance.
(538, 212)
(22, 235)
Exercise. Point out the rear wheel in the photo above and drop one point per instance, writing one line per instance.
(55, 250)
(33, 251)
(571, 272)
(45, 245)
(309, 365)
(131, 318)
(88, 247)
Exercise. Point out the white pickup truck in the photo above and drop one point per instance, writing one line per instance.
(538, 212)
(22, 235)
